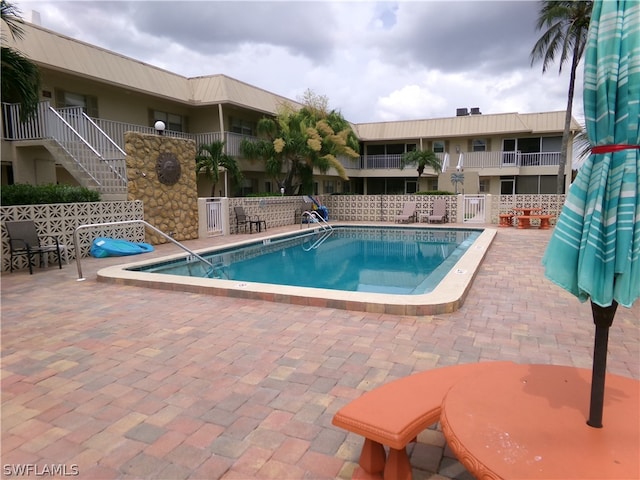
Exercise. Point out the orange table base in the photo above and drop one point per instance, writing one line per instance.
(529, 421)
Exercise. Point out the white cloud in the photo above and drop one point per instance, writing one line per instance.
(375, 61)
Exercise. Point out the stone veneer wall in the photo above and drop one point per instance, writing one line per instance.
(171, 208)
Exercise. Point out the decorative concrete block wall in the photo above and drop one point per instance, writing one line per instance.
(61, 220)
(383, 208)
(161, 174)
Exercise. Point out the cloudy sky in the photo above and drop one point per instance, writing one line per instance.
(374, 61)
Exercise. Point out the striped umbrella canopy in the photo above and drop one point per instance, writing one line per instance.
(594, 252)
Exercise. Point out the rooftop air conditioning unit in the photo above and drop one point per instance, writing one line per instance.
(461, 112)
(475, 111)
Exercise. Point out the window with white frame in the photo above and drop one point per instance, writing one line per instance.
(438, 146)
(483, 185)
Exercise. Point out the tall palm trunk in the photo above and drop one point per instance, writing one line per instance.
(567, 122)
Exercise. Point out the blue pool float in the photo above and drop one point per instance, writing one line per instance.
(115, 247)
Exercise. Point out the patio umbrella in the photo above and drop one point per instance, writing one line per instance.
(595, 248)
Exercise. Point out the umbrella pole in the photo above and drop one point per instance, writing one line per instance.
(603, 318)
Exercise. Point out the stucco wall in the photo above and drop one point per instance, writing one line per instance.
(170, 208)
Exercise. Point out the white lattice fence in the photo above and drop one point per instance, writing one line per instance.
(61, 219)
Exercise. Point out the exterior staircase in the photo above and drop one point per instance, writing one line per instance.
(77, 143)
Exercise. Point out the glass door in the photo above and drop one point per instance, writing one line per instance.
(507, 186)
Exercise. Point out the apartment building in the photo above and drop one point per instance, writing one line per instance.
(91, 96)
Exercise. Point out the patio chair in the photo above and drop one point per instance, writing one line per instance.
(243, 219)
(408, 213)
(24, 240)
(439, 213)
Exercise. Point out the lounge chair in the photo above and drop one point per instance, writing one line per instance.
(408, 214)
(439, 211)
(24, 240)
(243, 219)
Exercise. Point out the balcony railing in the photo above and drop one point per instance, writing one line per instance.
(389, 162)
(472, 160)
(501, 159)
(116, 130)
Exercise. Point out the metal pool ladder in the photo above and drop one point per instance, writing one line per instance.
(325, 229)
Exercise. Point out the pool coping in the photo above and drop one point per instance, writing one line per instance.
(446, 297)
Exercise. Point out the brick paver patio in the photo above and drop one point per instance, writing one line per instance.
(116, 381)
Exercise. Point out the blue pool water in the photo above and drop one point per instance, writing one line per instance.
(400, 261)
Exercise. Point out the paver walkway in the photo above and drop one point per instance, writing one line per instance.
(114, 381)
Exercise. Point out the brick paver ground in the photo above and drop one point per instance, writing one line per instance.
(126, 382)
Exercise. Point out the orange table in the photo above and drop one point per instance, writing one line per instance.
(525, 212)
(529, 421)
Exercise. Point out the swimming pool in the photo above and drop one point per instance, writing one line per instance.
(354, 268)
(356, 259)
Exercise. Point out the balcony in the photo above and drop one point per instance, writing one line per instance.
(472, 160)
(39, 128)
(111, 133)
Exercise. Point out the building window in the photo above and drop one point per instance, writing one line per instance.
(438, 146)
(243, 127)
(329, 186)
(479, 145)
(536, 184)
(483, 186)
(410, 186)
(173, 122)
(88, 103)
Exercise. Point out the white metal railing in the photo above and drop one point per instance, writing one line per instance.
(32, 128)
(116, 130)
(79, 136)
(472, 160)
(502, 159)
(93, 152)
(387, 161)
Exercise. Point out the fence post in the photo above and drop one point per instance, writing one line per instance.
(488, 208)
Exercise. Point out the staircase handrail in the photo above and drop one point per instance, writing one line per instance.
(51, 134)
(324, 225)
(107, 137)
(98, 137)
(59, 119)
(75, 132)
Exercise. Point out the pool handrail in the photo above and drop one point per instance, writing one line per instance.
(128, 222)
(320, 219)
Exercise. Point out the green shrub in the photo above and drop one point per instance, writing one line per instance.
(24, 194)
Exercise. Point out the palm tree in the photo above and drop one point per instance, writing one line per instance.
(567, 24)
(20, 76)
(211, 158)
(296, 141)
(421, 158)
